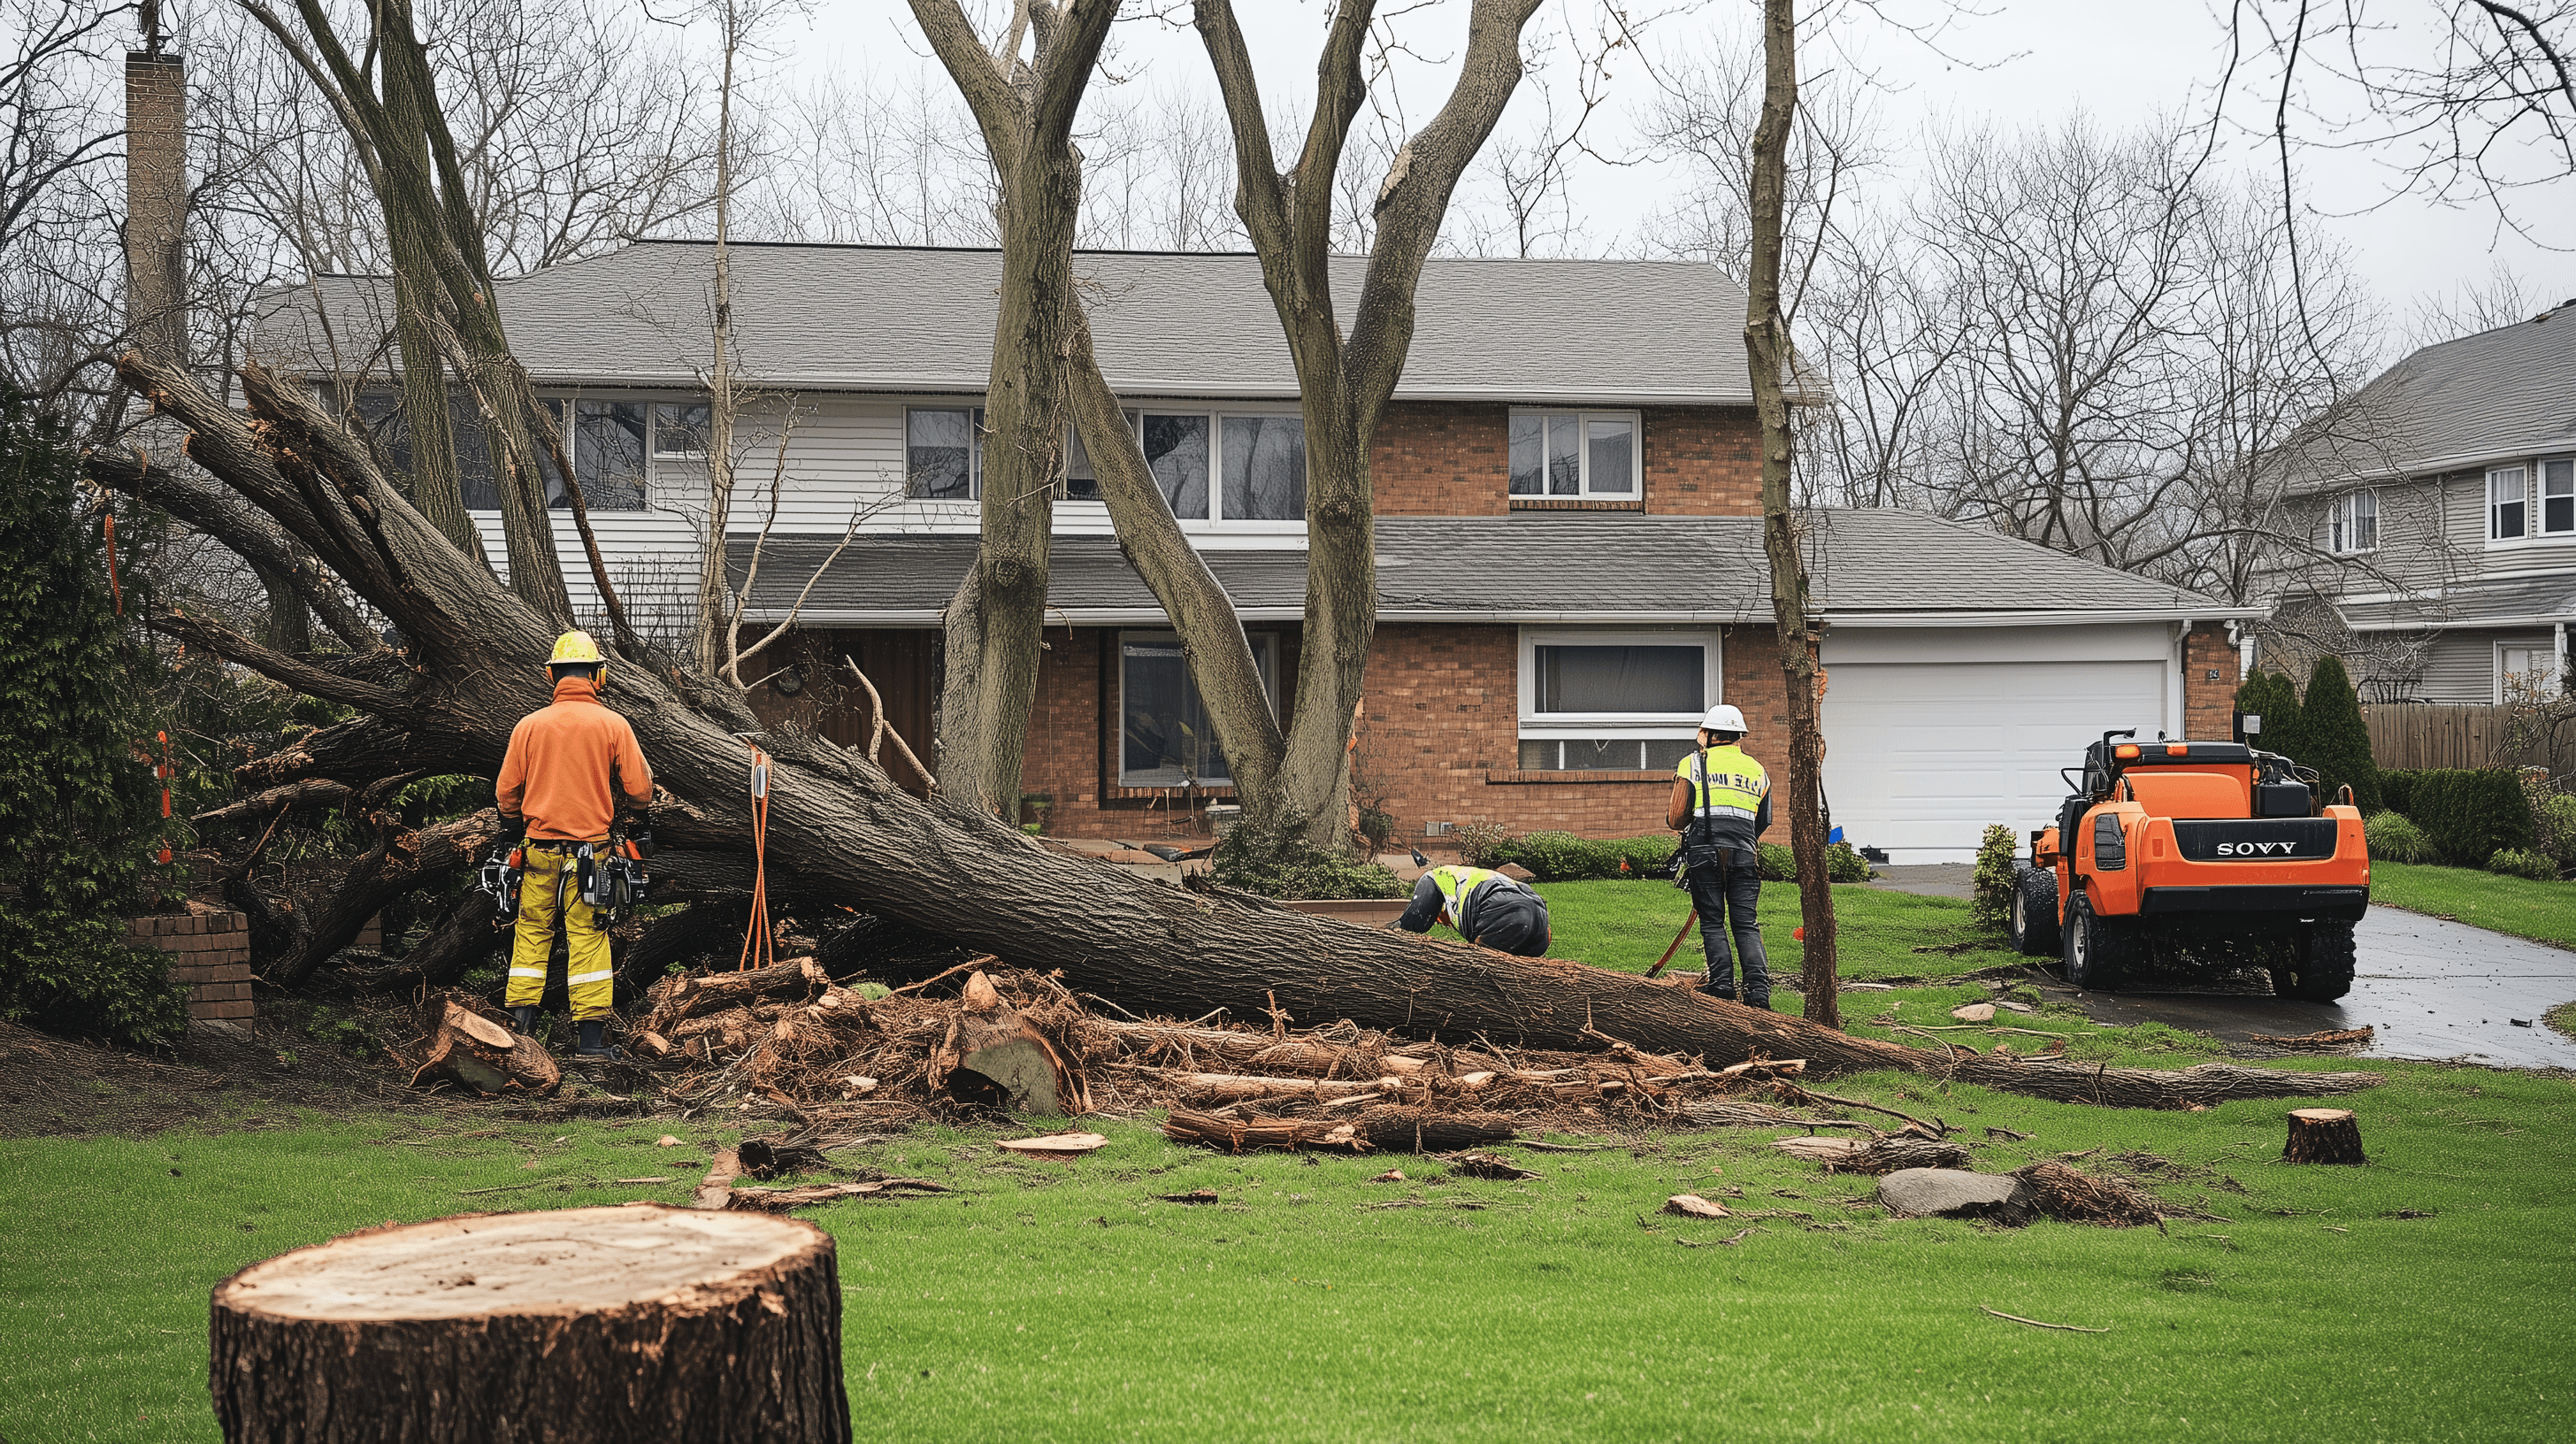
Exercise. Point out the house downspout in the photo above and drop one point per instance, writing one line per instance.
(2177, 704)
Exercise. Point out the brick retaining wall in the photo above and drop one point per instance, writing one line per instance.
(209, 952)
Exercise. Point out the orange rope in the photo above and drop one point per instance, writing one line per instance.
(756, 939)
(113, 589)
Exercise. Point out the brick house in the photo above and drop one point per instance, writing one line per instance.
(1569, 537)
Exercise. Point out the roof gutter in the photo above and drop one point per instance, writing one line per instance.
(1153, 616)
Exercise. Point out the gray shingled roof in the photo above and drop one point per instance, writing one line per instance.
(1870, 567)
(870, 318)
(2495, 395)
(2492, 602)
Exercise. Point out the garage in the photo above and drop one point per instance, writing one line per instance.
(1932, 733)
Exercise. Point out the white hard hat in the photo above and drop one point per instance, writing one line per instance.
(1722, 718)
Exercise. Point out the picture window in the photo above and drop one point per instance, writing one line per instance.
(1575, 454)
(1164, 737)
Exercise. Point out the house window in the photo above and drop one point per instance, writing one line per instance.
(607, 455)
(2352, 523)
(1613, 701)
(2526, 673)
(2558, 496)
(1574, 454)
(1260, 461)
(1264, 468)
(380, 409)
(680, 430)
(2508, 507)
(1164, 739)
(943, 452)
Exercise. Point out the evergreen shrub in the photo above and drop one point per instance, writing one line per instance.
(2517, 862)
(1276, 864)
(2471, 814)
(2336, 739)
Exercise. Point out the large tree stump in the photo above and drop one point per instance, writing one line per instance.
(2323, 1135)
(607, 1324)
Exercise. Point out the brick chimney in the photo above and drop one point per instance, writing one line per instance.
(156, 193)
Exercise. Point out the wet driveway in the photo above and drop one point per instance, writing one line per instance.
(2432, 989)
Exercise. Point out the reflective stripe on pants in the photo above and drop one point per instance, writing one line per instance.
(552, 876)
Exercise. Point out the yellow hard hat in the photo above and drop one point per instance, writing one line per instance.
(576, 649)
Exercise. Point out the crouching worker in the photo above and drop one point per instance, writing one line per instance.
(1721, 805)
(567, 768)
(1487, 908)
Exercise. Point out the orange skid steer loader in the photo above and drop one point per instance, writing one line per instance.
(2196, 858)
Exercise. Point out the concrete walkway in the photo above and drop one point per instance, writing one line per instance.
(2433, 989)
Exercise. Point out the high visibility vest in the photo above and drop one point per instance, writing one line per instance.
(1455, 883)
(1727, 789)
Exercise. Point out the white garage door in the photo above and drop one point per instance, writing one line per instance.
(1921, 756)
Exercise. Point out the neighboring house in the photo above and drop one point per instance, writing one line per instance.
(2437, 510)
(1569, 537)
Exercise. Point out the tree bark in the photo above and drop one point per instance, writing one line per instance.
(405, 861)
(958, 872)
(1769, 354)
(479, 1053)
(1025, 111)
(2323, 1135)
(606, 1324)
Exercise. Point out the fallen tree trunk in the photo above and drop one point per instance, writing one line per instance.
(842, 826)
(466, 937)
(605, 1324)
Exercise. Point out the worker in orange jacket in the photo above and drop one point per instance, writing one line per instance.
(568, 767)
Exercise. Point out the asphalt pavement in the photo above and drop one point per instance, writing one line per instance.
(2432, 989)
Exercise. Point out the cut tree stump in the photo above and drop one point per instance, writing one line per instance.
(993, 1057)
(2323, 1135)
(607, 1324)
(482, 1055)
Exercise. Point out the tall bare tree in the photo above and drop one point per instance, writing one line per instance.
(1771, 358)
(1025, 110)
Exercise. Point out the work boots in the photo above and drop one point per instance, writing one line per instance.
(594, 1045)
(525, 1020)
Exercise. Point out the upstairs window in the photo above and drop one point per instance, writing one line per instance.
(606, 441)
(1258, 463)
(943, 453)
(2352, 523)
(1575, 454)
(607, 455)
(2508, 504)
(680, 430)
(2558, 496)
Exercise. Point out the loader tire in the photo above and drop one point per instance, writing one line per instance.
(2034, 912)
(2325, 963)
(2098, 951)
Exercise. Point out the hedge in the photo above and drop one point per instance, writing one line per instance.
(1563, 857)
(2397, 790)
(2470, 815)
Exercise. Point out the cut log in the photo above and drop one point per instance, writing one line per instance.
(2323, 1135)
(680, 999)
(482, 1055)
(585, 1324)
(1876, 1157)
(993, 1057)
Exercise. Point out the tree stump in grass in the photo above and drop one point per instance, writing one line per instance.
(579, 1325)
(2323, 1135)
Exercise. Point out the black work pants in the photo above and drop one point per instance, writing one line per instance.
(1728, 898)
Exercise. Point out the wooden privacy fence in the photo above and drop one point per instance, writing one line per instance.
(2442, 735)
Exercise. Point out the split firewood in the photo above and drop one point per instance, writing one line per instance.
(1691, 1205)
(716, 1189)
(481, 1054)
(2323, 1135)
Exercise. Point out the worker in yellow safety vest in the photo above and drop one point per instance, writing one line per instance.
(568, 767)
(1721, 805)
(1487, 908)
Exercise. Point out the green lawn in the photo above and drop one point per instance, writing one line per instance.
(1049, 1301)
(2542, 911)
(1627, 925)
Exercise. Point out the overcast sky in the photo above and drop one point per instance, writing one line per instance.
(2024, 62)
